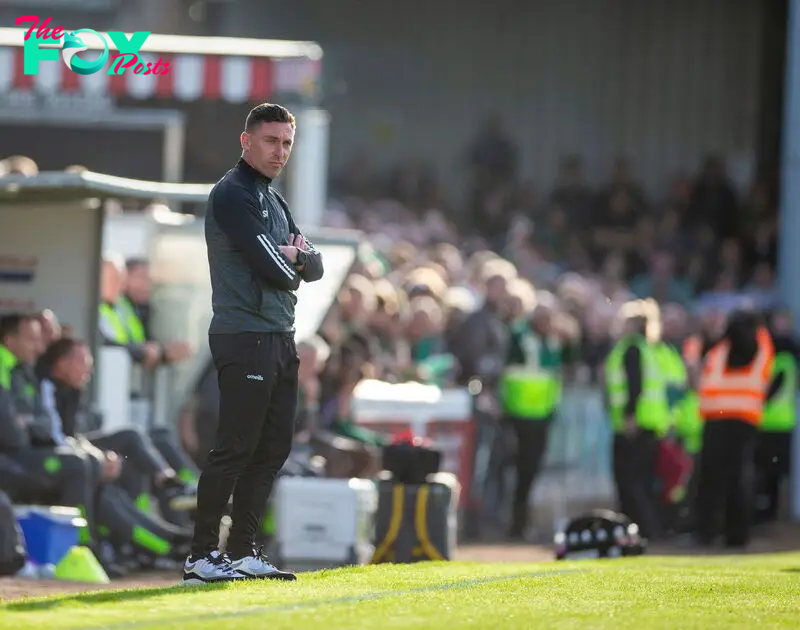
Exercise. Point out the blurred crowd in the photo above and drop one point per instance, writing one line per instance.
(581, 251)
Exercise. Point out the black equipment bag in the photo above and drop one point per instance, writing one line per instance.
(416, 522)
(410, 463)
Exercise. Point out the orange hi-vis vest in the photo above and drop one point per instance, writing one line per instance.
(738, 392)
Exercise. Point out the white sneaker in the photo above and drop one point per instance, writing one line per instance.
(209, 568)
(256, 566)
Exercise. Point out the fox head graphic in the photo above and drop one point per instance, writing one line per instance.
(72, 45)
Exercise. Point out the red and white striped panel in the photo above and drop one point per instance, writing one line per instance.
(191, 77)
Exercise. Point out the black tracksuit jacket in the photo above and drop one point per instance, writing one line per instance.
(253, 283)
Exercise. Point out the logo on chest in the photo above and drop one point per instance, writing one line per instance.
(262, 201)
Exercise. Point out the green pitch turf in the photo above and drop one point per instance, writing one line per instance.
(747, 592)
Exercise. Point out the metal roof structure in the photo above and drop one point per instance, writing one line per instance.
(62, 186)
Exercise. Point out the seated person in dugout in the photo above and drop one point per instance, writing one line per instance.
(174, 484)
(70, 474)
(64, 370)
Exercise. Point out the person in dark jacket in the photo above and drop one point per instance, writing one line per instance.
(638, 408)
(67, 472)
(481, 343)
(64, 371)
(26, 426)
(734, 387)
(530, 389)
(257, 258)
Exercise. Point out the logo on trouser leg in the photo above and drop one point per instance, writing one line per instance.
(255, 377)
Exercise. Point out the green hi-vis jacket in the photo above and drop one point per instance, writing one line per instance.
(530, 386)
(652, 408)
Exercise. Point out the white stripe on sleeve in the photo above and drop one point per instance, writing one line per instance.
(276, 256)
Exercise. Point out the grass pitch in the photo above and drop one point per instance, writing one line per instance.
(747, 592)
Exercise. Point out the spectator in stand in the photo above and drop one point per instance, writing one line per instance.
(414, 185)
(713, 200)
(493, 160)
(668, 235)
(387, 325)
(431, 361)
(347, 367)
(761, 244)
(616, 223)
(674, 324)
(458, 303)
(572, 193)
(428, 280)
(481, 343)
(758, 209)
(661, 283)
(521, 302)
(474, 281)
(622, 182)
(761, 289)
(313, 354)
(449, 259)
(641, 250)
(731, 261)
(550, 233)
(357, 179)
(679, 197)
(357, 303)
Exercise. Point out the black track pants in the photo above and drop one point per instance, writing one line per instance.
(257, 375)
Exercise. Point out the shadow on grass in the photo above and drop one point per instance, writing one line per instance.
(103, 597)
(791, 570)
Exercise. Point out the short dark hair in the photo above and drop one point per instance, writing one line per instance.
(267, 113)
(10, 324)
(134, 263)
(59, 349)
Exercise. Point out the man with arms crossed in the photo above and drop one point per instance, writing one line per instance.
(257, 257)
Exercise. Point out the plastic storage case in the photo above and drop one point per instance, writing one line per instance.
(323, 523)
